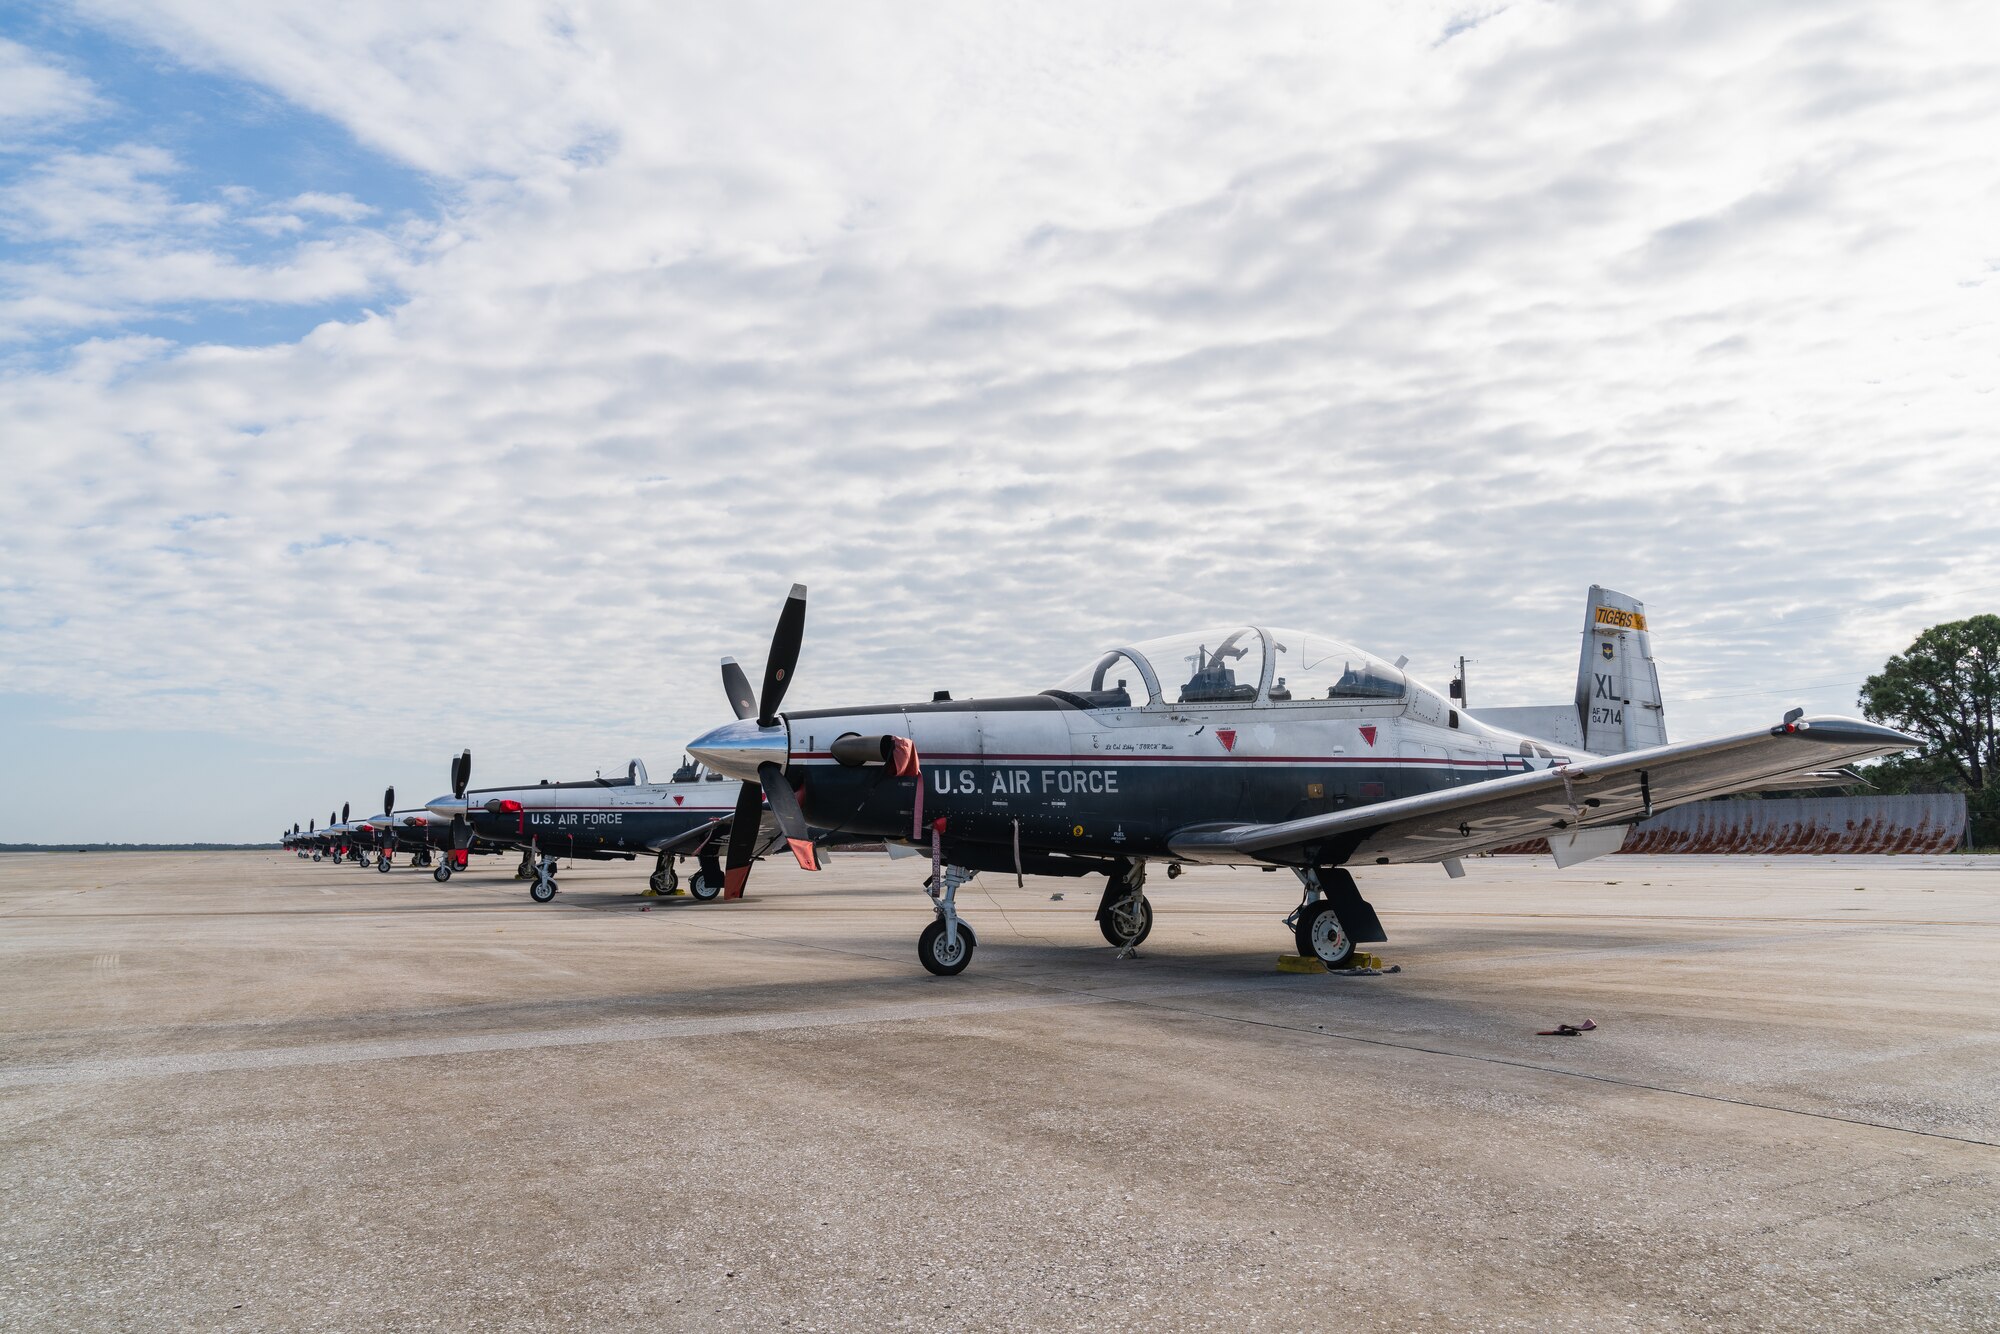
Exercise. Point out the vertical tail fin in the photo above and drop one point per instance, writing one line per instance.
(1617, 686)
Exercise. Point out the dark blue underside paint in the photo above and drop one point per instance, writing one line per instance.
(595, 832)
(1090, 819)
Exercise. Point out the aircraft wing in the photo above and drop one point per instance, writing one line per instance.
(691, 839)
(1578, 806)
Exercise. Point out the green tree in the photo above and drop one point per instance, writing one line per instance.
(1945, 690)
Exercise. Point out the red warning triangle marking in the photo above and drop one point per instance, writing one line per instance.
(1368, 735)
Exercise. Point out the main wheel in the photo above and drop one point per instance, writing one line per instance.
(542, 890)
(705, 885)
(1320, 934)
(1128, 921)
(938, 956)
(442, 873)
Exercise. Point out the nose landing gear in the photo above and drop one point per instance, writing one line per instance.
(945, 946)
(706, 884)
(544, 888)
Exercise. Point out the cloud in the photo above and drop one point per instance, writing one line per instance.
(35, 94)
(1012, 334)
(106, 239)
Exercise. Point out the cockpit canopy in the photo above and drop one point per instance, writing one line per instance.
(1235, 664)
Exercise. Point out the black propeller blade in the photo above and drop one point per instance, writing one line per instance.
(792, 820)
(742, 840)
(785, 641)
(737, 686)
(389, 801)
(343, 812)
(743, 829)
(461, 778)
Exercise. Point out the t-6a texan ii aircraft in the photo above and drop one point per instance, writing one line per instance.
(1245, 746)
(601, 819)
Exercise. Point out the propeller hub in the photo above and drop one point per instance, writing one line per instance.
(446, 806)
(738, 748)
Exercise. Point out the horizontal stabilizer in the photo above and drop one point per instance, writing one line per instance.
(1557, 724)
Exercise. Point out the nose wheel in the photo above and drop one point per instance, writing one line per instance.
(442, 872)
(940, 954)
(705, 886)
(945, 946)
(544, 888)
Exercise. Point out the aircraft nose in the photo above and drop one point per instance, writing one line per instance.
(738, 748)
(444, 807)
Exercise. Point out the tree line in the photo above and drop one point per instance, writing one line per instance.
(1945, 689)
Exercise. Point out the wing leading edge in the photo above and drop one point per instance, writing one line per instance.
(1599, 794)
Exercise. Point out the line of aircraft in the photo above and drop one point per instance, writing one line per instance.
(592, 819)
(1237, 746)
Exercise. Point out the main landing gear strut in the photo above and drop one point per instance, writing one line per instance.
(1333, 918)
(1125, 914)
(946, 945)
(526, 870)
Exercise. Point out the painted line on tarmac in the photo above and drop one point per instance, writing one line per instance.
(397, 1049)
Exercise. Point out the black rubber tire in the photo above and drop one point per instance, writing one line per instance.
(704, 886)
(1109, 924)
(317, 856)
(1319, 935)
(931, 949)
(382, 865)
(542, 891)
(442, 873)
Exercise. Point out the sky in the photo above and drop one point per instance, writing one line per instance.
(380, 380)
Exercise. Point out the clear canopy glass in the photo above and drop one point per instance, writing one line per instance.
(1236, 665)
(1308, 668)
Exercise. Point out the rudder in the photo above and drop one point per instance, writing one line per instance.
(1617, 685)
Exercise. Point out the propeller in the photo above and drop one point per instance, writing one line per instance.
(385, 837)
(461, 778)
(771, 784)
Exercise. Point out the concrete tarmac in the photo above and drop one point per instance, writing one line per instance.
(243, 1091)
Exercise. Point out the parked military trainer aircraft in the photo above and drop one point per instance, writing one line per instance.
(603, 819)
(1243, 745)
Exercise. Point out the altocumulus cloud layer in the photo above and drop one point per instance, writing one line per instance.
(1011, 331)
